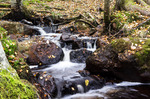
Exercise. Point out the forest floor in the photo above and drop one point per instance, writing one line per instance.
(89, 9)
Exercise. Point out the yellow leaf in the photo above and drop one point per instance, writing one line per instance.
(34, 75)
(86, 82)
(27, 71)
(53, 56)
(72, 88)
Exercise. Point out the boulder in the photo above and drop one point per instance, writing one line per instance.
(79, 56)
(20, 28)
(113, 65)
(44, 52)
(81, 85)
(67, 37)
(46, 82)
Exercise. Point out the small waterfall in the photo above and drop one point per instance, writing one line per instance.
(89, 45)
(40, 30)
(67, 54)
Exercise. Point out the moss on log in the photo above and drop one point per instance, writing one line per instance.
(130, 5)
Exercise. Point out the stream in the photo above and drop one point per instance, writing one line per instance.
(66, 70)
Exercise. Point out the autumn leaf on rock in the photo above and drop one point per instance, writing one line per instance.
(86, 82)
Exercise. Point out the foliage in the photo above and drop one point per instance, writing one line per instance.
(3, 33)
(10, 47)
(15, 61)
(13, 88)
(123, 17)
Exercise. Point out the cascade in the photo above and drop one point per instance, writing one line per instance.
(67, 71)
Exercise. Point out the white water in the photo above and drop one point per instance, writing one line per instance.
(40, 30)
(66, 54)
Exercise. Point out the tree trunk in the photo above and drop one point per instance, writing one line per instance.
(18, 11)
(106, 15)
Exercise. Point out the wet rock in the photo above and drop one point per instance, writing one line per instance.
(80, 85)
(83, 43)
(44, 52)
(23, 44)
(145, 77)
(16, 27)
(84, 73)
(47, 82)
(42, 92)
(127, 93)
(66, 37)
(47, 29)
(26, 22)
(110, 64)
(79, 56)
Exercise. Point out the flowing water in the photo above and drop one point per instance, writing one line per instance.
(66, 70)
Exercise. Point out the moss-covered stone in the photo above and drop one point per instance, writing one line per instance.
(120, 45)
(16, 61)
(143, 56)
(11, 87)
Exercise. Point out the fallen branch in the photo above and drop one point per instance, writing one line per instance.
(145, 22)
(66, 21)
(91, 25)
(55, 8)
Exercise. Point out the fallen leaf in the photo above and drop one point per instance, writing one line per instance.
(86, 82)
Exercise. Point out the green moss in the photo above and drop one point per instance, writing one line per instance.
(123, 17)
(143, 56)
(3, 33)
(120, 45)
(10, 47)
(16, 62)
(13, 88)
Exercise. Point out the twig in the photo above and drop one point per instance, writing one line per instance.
(141, 24)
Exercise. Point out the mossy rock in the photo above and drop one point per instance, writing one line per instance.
(16, 61)
(143, 56)
(120, 45)
(11, 87)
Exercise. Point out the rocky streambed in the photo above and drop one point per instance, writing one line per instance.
(70, 66)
